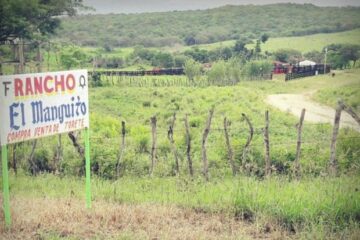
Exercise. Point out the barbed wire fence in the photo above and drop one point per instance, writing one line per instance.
(258, 131)
(216, 142)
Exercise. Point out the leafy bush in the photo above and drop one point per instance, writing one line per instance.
(141, 137)
(192, 70)
(259, 68)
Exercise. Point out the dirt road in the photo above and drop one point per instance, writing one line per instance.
(315, 112)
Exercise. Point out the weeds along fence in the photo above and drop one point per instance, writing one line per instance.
(185, 148)
(168, 80)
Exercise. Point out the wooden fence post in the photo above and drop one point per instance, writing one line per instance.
(74, 139)
(298, 145)
(33, 166)
(349, 111)
(204, 140)
(251, 134)
(333, 162)
(267, 145)
(154, 147)
(14, 162)
(188, 144)
(21, 56)
(121, 150)
(58, 155)
(38, 57)
(172, 143)
(229, 148)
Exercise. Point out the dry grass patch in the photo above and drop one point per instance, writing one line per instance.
(47, 218)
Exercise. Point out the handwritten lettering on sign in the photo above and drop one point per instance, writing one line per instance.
(42, 104)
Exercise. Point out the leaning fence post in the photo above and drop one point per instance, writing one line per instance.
(122, 148)
(298, 145)
(153, 148)
(333, 162)
(246, 147)
(34, 167)
(267, 145)
(58, 155)
(74, 139)
(203, 146)
(172, 143)
(349, 111)
(188, 144)
(230, 150)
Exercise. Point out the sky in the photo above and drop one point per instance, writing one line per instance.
(137, 6)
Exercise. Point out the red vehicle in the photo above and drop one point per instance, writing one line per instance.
(280, 67)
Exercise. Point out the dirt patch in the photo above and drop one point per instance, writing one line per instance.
(315, 112)
(44, 218)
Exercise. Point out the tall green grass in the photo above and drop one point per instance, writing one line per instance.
(333, 203)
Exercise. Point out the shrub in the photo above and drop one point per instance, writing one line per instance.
(141, 138)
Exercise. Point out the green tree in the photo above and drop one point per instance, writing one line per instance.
(143, 53)
(315, 56)
(226, 53)
(240, 46)
(234, 68)
(258, 46)
(179, 60)
(350, 52)
(190, 40)
(264, 38)
(192, 69)
(259, 68)
(72, 57)
(31, 19)
(288, 55)
(217, 73)
(162, 59)
(340, 55)
(199, 55)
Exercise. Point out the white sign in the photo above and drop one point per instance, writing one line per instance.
(42, 104)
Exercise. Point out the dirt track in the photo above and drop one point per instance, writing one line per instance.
(315, 112)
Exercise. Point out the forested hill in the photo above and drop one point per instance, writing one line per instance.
(207, 26)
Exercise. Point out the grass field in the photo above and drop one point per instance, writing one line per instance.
(349, 94)
(312, 42)
(246, 206)
(315, 208)
(303, 44)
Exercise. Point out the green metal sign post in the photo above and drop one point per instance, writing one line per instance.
(6, 194)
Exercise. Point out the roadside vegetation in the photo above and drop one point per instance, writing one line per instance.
(317, 206)
(143, 190)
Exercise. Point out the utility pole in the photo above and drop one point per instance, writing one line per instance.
(326, 50)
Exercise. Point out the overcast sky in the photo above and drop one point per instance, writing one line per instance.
(136, 6)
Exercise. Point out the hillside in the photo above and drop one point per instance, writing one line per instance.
(207, 26)
(303, 44)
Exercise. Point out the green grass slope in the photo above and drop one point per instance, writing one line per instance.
(302, 43)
